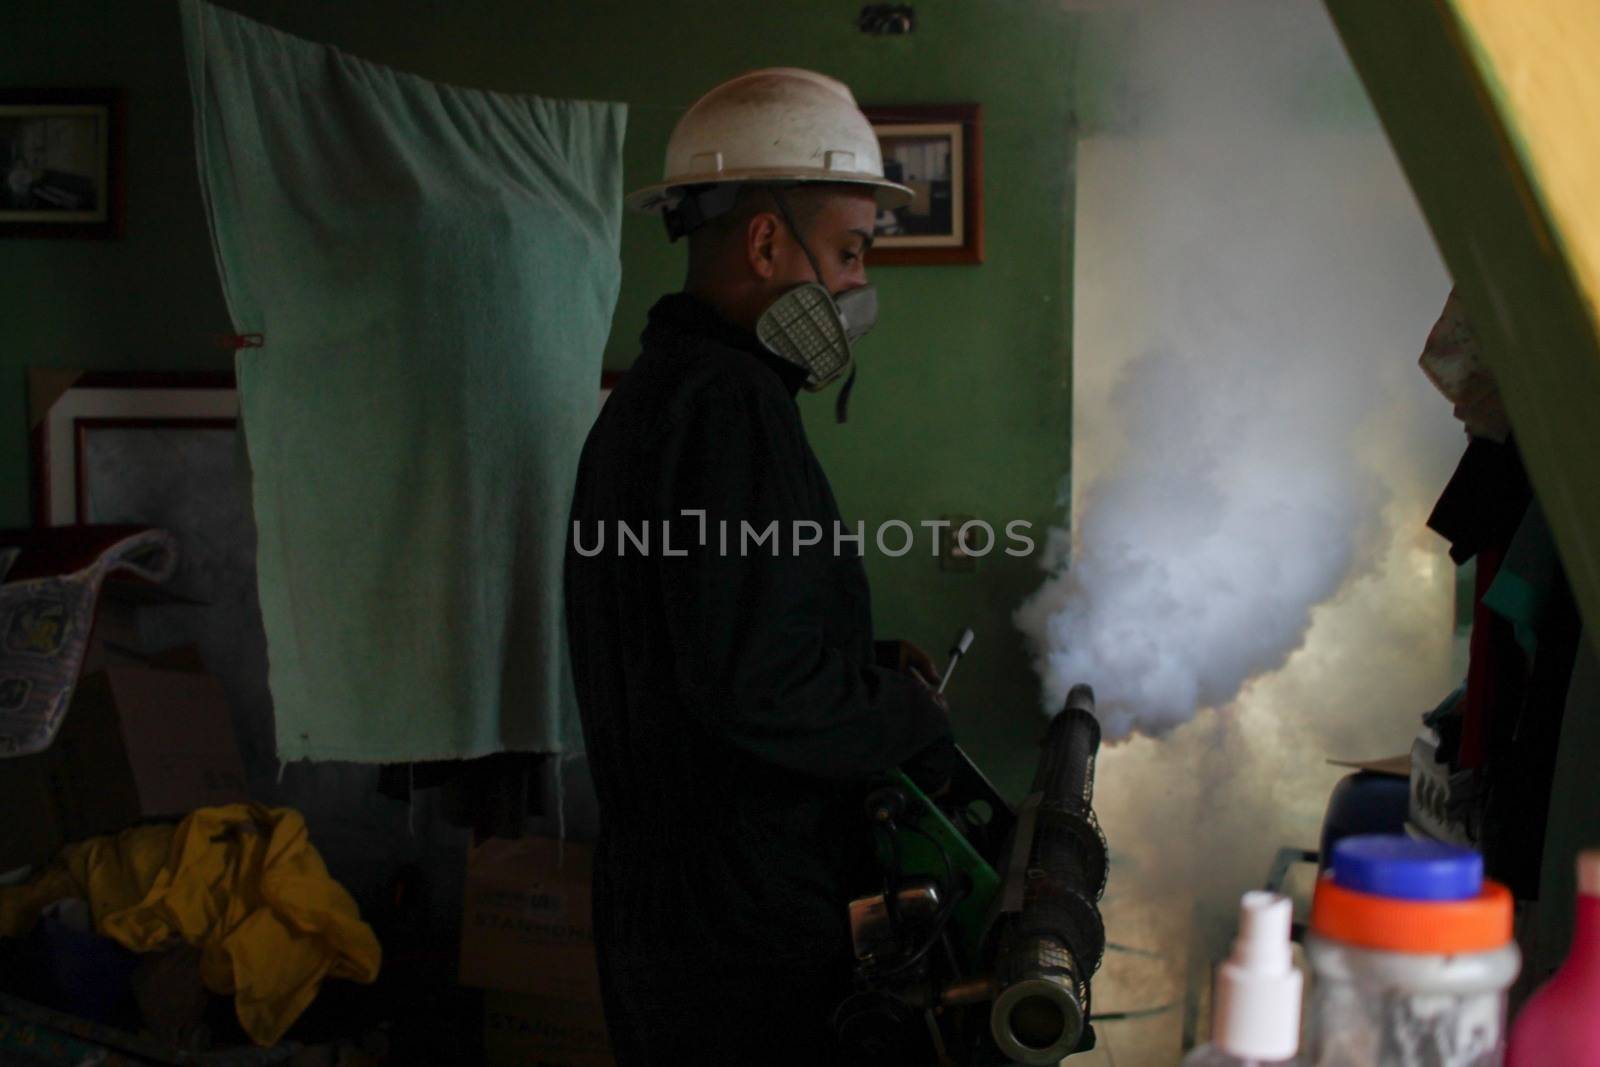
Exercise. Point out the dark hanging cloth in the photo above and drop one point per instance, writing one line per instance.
(1484, 501)
(1531, 598)
(492, 796)
(1478, 513)
(1496, 668)
(732, 709)
(1525, 634)
(1523, 759)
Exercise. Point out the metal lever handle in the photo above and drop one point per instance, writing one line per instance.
(963, 643)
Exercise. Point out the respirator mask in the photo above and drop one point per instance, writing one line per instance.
(815, 330)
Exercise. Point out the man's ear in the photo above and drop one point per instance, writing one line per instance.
(761, 236)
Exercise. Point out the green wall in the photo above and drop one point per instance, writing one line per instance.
(963, 406)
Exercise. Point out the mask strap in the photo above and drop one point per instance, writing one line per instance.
(842, 403)
(788, 220)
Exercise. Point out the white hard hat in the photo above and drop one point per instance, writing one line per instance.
(781, 124)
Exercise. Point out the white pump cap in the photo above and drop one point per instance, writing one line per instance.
(1256, 1014)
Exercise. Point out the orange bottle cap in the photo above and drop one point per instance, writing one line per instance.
(1477, 924)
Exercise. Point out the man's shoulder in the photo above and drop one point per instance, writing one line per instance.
(689, 382)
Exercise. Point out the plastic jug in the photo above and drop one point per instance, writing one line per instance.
(1411, 957)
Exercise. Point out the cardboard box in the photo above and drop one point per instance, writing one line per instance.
(141, 743)
(137, 742)
(30, 833)
(115, 637)
(519, 1031)
(527, 936)
(526, 925)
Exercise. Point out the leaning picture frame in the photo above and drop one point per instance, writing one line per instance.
(74, 414)
(61, 162)
(81, 421)
(165, 449)
(937, 151)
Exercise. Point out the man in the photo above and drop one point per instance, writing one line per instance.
(733, 705)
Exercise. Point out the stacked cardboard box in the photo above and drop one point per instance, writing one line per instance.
(144, 737)
(527, 939)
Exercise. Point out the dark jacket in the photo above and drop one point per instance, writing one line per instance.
(731, 706)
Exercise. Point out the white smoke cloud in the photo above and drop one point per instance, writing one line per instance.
(1270, 286)
(1254, 454)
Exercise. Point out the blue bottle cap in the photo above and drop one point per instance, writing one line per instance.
(1393, 865)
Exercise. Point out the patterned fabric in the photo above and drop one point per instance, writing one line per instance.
(1454, 364)
(44, 630)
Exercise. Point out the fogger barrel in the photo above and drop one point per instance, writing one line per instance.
(1049, 937)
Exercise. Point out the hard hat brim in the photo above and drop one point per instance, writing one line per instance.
(654, 199)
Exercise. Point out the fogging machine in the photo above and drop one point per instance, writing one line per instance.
(980, 949)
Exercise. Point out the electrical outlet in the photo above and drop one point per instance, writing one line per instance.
(953, 554)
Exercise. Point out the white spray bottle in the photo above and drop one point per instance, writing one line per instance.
(1255, 1013)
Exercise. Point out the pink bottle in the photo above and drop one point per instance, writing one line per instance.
(1560, 1024)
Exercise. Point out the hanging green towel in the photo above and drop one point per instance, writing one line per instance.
(433, 270)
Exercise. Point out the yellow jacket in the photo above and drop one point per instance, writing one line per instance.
(242, 882)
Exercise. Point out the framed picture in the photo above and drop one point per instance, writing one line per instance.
(61, 162)
(88, 425)
(163, 449)
(936, 150)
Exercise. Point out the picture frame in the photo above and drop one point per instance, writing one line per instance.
(61, 162)
(71, 411)
(937, 150)
(163, 449)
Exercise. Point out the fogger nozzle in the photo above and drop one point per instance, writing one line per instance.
(1051, 946)
(1080, 698)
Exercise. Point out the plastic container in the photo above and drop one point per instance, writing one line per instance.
(1365, 803)
(1255, 1017)
(1411, 957)
(1560, 1024)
